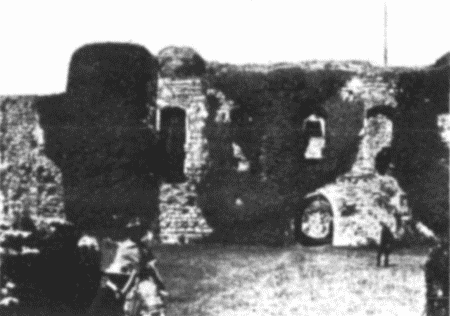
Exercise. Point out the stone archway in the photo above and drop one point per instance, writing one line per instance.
(315, 221)
(172, 128)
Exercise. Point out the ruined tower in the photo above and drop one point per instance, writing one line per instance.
(180, 119)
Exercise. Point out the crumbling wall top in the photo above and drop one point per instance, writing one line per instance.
(181, 62)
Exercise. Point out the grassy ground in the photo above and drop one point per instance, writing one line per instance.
(236, 280)
(232, 280)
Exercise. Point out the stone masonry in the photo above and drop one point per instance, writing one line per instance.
(181, 219)
(362, 198)
(29, 181)
(377, 131)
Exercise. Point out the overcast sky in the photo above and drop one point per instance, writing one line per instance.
(38, 37)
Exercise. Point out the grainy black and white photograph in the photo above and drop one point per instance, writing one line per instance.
(224, 158)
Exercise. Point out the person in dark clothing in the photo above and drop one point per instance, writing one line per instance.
(130, 278)
(386, 245)
(136, 231)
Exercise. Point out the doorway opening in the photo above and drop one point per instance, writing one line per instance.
(173, 139)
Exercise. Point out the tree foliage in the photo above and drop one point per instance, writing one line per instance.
(421, 158)
(95, 132)
(267, 125)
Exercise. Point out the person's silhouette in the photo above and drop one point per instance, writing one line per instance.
(386, 245)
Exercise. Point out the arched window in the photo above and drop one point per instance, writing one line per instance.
(314, 131)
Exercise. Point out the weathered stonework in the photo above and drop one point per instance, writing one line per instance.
(180, 217)
(362, 198)
(377, 131)
(223, 116)
(359, 203)
(29, 181)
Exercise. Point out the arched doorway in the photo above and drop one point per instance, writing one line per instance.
(173, 138)
(315, 222)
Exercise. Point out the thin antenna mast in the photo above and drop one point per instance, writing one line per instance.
(385, 35)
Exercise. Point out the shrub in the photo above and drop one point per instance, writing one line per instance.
(420, 157)
(437, 280)
(267, 125)
(95, 133)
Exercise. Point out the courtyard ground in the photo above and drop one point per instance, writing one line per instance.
(235, 280)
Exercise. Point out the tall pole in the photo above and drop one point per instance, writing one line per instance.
(385, 35)
(3, 164)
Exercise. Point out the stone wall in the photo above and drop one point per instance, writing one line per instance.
(359, 203)
(362, 198)
(311, 65)
(29, 181)
(181, 219)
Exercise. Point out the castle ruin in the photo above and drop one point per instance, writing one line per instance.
(357, 201)
(354, 203)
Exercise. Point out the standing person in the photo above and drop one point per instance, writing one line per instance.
(389, 239)
(386, 244)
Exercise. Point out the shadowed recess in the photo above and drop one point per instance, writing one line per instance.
(385, 110)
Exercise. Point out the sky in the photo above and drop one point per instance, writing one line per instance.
(38, 37)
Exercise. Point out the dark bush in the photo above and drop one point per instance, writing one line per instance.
(95, 133)
(267, 125)
(420, 157)
(437, 280)
(51, 280)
